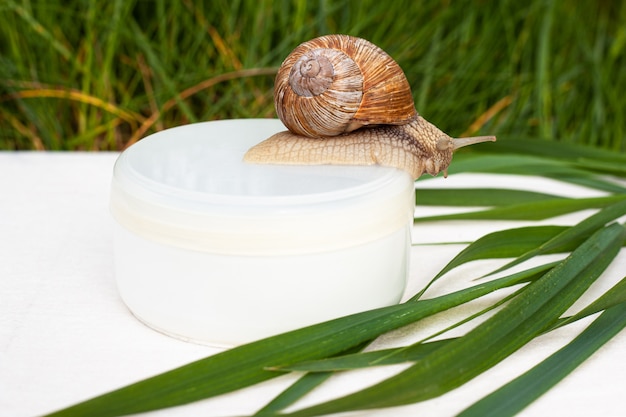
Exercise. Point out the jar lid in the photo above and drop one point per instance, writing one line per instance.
(189, 187)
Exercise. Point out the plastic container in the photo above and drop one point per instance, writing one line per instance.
(217, 251)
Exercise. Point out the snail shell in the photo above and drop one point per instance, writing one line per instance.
(327, 93)
(338, 83)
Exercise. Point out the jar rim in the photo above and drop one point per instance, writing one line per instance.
(188, 186)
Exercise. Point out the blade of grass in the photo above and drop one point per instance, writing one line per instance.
(302, 386)
(247, 365)
(294, 392)
(529, 165)
(519, 393)
(543, 92)
(613, 168)
(528, 275)
(614, 296)
(478, 197)
(154, 118)
(160, 71)
(563, 240)
(505, 244)
(524, 243)
(390, 356)
(411, 353)
(569, 152)
(40, 30)
(67, 94)
(510, 164)
(520, 321)
(531, 211)
(417, 351)
(509, 243)
(590, 181)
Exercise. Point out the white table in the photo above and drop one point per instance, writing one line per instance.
(65, 335)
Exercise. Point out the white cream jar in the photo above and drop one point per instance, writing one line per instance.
(213, 250)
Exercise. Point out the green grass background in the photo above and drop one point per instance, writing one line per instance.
(97, 75)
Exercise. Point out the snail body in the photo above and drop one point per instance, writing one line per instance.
(346, 101)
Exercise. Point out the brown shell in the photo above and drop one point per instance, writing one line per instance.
(338, 83)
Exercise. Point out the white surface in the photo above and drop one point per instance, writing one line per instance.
(65, 335)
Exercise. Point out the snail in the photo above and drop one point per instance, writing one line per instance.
(346, 101)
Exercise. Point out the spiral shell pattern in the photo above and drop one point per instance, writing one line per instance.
(338, 83)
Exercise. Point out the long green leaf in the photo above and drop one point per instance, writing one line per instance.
(520, 321)
(612, 168)
(540, 210)
(562, 151)
(508, 243)
(513, 164)
(614, 296)
(294, 392)
(415, 352)
(519, 393)
(461, 197)
(391, 356)
(530, 165)
(568, 152)
(593, 182)
(355, 360)
(302, 386)
(563, 240)
(248, 364)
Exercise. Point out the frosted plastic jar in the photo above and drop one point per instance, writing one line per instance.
(213, 250)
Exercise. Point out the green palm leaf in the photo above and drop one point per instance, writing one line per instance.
(523, 164)
(418, 351)
(461, 197)
(525, 317)
(249, 364)
(517, 394)
(539, 210)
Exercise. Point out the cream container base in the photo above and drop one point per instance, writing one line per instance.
(212, 250)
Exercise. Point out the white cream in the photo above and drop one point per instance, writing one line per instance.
(217, 251)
